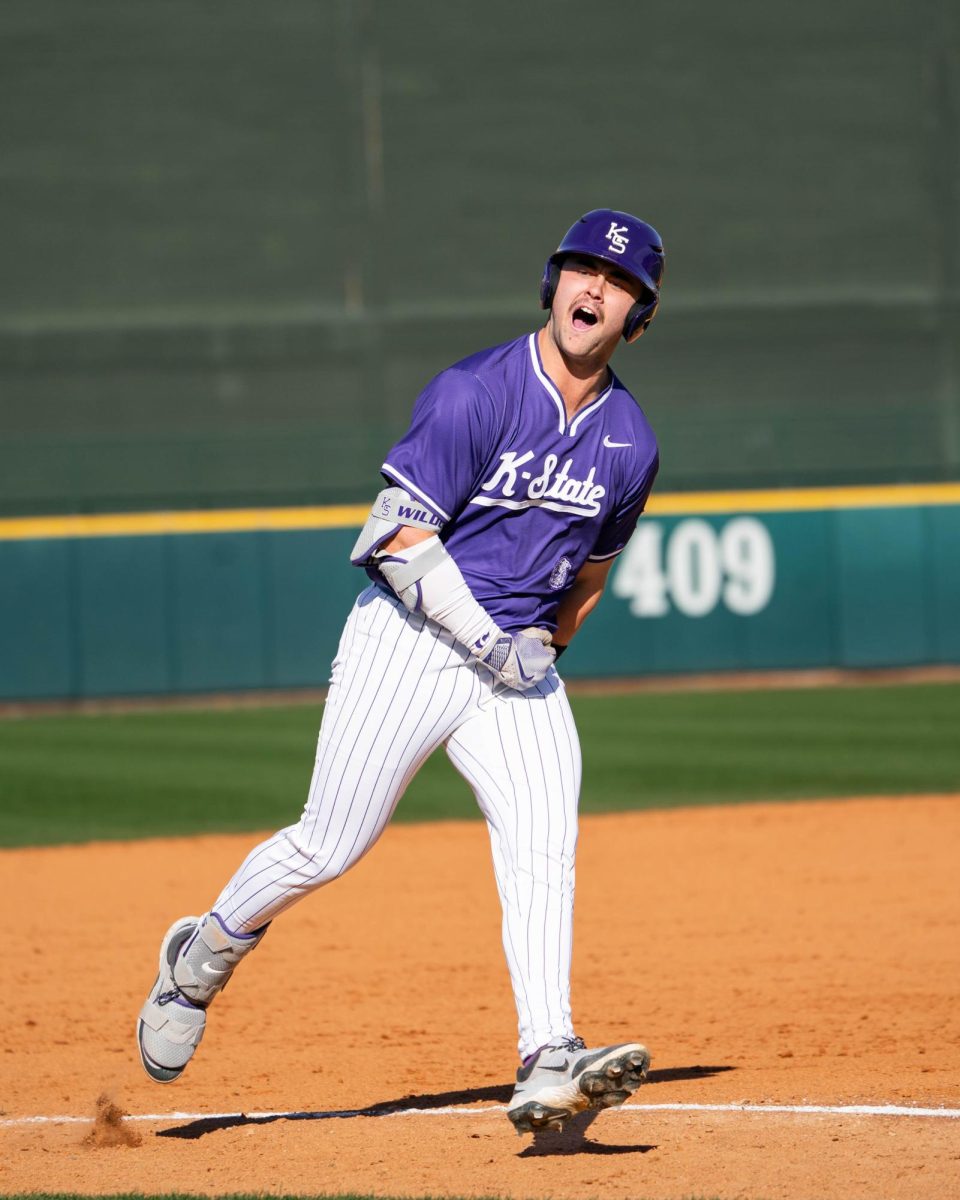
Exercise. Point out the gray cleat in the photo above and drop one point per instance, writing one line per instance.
(564, 1078)
(170, 1027)
(197, 958)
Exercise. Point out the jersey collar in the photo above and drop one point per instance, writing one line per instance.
(551, 390)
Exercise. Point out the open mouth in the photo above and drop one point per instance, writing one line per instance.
(583, 318)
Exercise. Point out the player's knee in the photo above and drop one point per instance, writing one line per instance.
(317, 855)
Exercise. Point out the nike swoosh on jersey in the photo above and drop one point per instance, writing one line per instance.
(614, 445)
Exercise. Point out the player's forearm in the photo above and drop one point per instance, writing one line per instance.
(581, 600)
(405, 537)
(441, 593)
(574, 610)
(427, 579)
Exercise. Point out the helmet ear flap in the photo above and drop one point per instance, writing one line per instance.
(634, 325)
(548, 284)
(638, 318)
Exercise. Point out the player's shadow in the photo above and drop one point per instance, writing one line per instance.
(572, 1140)
(386, 1108)
(678, 1074)
(569, 1142)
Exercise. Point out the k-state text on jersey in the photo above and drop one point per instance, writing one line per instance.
(578, 495)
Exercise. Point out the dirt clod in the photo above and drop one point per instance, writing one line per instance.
(110, 1127)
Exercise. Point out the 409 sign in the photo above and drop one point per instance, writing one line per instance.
(697, 567)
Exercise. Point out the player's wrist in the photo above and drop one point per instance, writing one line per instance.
(487, 637)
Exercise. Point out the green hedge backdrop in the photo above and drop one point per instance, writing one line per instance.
(237, 238)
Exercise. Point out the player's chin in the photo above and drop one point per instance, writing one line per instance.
(586, 342)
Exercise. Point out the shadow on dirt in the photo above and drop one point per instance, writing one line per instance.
(572, 1140)
(546, 1143)
(678, 1074)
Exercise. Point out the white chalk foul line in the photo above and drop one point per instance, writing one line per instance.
(850, 1110)
(840, 1110)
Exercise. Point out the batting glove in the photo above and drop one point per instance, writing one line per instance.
(521, 660)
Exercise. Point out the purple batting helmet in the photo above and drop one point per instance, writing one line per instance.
(618, 238)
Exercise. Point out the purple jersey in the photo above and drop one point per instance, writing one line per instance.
(525, 496)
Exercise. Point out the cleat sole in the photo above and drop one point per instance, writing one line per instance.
(614, 1082)
(534, 1117)
(157, 1073)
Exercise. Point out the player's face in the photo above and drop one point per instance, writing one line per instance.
(590, 306)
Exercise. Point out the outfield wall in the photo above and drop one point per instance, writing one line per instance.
(168, 603)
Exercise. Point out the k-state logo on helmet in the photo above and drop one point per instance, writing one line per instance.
(559, 574)
(616, 236)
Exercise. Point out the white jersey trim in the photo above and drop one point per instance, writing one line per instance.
(604, 557)
(592, 408)
(412, 487)
(550, 389)
(556, 397)
(497, 502)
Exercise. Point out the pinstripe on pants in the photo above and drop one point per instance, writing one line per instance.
(401, 686)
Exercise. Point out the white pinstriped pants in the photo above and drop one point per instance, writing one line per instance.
(401, 686)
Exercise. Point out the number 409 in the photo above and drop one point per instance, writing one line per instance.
(698, 567)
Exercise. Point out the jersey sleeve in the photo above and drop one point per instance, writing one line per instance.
(441, 456)
(620, 524)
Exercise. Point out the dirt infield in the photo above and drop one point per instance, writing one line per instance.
(768, 955)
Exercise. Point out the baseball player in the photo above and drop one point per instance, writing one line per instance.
(518, 483)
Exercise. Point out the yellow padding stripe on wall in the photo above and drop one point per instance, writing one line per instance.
(906, 495)
(351, 516)
(223, 520)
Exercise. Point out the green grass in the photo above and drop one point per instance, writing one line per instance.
(67, 779)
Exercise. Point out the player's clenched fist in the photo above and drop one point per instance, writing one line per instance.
(522, 659)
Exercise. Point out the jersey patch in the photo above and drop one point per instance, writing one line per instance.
(560, 573)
